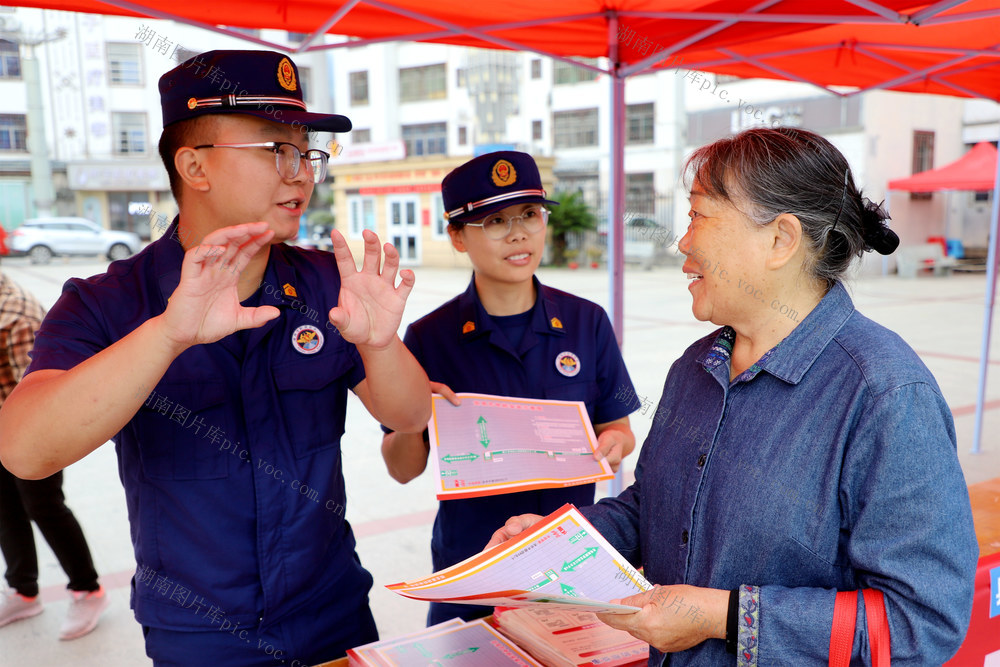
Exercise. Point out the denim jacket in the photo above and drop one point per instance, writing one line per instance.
(828, 466)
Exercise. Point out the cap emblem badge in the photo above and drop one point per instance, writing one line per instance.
(286, 74)
(503, 173)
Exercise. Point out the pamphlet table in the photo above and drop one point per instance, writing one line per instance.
(342, 662)
(982, 643)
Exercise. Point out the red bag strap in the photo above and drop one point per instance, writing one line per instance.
(845, 611)
(878, 627)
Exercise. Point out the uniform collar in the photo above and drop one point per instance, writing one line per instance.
(474, 321)
(795, 355)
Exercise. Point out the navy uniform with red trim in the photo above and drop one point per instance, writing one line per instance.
(232, 467)
(564, 348)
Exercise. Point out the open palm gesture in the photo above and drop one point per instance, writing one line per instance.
(370, 306)
(205, 306)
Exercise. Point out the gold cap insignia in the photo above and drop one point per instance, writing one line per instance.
(468, 326)
(192, 103)
(289, 290)
(286, 74)
(556, 324)
(503, 173)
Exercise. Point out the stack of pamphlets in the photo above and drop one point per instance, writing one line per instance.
(562, 638)
(454, 642)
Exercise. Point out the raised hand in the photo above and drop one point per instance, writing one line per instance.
(370, 306)
(206, 305)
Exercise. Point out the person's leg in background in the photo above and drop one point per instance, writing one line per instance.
(17, 543)
(44, 503)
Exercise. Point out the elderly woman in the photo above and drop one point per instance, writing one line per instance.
(798, 451)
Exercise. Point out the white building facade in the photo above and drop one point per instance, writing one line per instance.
(102, 119)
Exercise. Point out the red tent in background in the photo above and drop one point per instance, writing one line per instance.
(973, 171)
(946, 47)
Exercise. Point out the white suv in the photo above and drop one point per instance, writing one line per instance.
(41, 238)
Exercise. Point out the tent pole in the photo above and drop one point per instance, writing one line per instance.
(616, 224)
(991, 289)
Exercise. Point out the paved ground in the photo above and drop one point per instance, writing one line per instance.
(940, 317)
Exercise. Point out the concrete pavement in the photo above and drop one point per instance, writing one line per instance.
(940, 317)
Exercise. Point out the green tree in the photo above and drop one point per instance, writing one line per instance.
(572, 215)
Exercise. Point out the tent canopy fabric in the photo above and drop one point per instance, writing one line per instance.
(973, 171)
(948, 47)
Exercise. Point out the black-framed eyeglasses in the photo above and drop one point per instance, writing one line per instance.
(496, 226)
(288, 157)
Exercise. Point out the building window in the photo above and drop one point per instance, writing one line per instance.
(923, 157)
(13, 132)
(536, 68)
(463, 136)
(639, 121)
(296, 37)
(460, 77)
(574, 128)
(129, 133)
(10, 60)
(639, 194)
(563, 72)
(417, 84)
(439, 226)
(305, 82)
(426, 139)
(536, 130)
(359, 88)
(361, 214)
(124, 64)
(363, 136)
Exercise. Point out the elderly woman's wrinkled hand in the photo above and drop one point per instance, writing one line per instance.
(673, 618)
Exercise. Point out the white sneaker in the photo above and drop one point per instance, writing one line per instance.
(83, 613)
(14, 607)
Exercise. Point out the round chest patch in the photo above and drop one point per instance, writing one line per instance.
(568, 364)
(307, 339)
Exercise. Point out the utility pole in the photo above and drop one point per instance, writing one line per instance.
(41, 168)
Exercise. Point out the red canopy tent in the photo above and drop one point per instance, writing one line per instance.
(976, 170)
(973, 171)
(949, 47)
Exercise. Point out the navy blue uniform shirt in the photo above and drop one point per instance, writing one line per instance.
(461, 345)
(231, 468)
